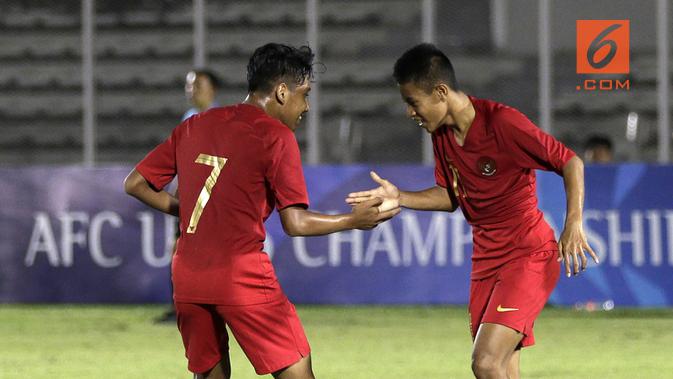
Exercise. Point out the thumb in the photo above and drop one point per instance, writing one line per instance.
(376, 178)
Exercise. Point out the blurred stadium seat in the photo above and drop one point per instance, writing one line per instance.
(143, 50)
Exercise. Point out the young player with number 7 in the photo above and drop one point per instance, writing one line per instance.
(234, 165)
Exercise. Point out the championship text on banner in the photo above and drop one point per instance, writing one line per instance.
(70, 234)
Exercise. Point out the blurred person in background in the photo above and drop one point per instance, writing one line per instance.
(598, 149)
(201, 86)
(235, 165)
(486, 155)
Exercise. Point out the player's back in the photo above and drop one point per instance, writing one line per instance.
(225, 158)
(221, 164)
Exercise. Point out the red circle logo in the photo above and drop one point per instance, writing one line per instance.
(487, 166)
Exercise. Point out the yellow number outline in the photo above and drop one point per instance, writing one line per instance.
(457, 183)
(217, 163)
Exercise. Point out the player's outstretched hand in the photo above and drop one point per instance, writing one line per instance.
(367, 215)
(572, 247)
(386, 191)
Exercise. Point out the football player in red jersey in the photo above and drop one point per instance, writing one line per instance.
(235, 165)
(486, 155)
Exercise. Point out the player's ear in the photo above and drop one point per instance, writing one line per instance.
(281, 93)
(442, 91)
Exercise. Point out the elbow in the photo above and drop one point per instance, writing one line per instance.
(293, 226)
(293, 233)
(293, 230)
(128, 187)
(132, 183)
(295, 221)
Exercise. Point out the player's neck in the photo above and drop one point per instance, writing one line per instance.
(257, 101)
(462, 112)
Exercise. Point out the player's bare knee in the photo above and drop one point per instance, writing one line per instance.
(513, 366)
(222, 370)
(299, 370)
(486, 366)
(293, 373)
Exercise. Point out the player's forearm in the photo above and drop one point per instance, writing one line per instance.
(432, 199)
(161, 201)
(301, 222)
(136, 186)
(573, 180)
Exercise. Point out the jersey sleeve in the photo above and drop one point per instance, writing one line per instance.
(284, 172)
(529, 145)
(159, 166)
(440, 179)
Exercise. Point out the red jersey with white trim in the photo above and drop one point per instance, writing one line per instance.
(492, 178)
(234, 165)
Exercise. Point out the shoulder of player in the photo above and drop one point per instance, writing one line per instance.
(493, 109)
(195, 116)
(507, 124)
(271, 128)
(273, 135)
(269, 123)
(186, 125)
(504, 118)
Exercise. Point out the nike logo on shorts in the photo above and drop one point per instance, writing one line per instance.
(502, 309)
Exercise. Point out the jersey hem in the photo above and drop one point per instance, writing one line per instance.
(264, 299)
(494, 271)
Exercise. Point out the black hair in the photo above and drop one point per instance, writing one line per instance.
(273, 62)
(212, 77)
(598, 140)
(426, 66)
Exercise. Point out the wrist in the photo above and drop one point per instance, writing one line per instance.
(573, 220)
(402, 199)
(349, 221)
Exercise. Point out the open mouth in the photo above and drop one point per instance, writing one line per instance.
(419, 122)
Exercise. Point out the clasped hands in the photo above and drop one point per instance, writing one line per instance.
(376, 205)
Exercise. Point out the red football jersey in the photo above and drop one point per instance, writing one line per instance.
(492, 178)
(234, 165)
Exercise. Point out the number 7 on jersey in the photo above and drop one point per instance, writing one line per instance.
(217, 163)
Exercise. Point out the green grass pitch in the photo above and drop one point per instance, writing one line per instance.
(110, 341)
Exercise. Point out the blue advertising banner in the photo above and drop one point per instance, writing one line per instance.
(70, 234)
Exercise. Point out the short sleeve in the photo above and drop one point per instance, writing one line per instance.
(440, 179)
(284, 172)
(529, 145)
(159, 166)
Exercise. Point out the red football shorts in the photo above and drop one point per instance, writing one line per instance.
(270, 334)
(515, 295)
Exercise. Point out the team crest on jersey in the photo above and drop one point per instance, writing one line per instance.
(487, 166)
